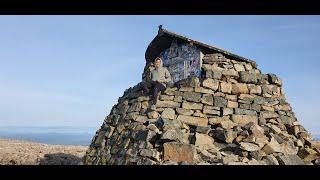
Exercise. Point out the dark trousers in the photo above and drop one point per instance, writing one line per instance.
(155, 86)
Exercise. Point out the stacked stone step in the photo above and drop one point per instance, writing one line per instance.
(232, 115)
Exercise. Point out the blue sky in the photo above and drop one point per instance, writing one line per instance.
(70, 70)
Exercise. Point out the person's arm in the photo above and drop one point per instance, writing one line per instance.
(167, 76)
(150, 75)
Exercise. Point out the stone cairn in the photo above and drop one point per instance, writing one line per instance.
(231, 115)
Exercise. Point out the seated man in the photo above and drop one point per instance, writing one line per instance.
(159, 77)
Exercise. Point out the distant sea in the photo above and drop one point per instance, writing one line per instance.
(64, 135)
(316, 137)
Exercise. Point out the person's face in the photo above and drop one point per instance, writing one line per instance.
(157, 63)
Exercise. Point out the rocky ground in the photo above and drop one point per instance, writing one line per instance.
(17, 152)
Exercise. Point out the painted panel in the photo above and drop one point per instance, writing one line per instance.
(182, 60)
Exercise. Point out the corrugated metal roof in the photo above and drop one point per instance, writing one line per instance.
(164, 38)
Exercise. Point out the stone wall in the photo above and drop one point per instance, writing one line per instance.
(231, 115)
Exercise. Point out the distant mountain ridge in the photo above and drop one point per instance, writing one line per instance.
(63, 135)
(316, 137)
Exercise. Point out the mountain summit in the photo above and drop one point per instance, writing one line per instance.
(219, 109)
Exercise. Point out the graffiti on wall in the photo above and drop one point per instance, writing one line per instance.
(182, 60)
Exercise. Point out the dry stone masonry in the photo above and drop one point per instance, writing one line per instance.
(231, 115)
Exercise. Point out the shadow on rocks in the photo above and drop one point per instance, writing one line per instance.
(60, 159)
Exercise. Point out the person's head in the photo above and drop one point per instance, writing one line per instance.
(157, 62)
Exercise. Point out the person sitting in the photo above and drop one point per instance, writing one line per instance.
(159, 77)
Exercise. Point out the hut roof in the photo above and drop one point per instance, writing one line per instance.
(164, 39)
